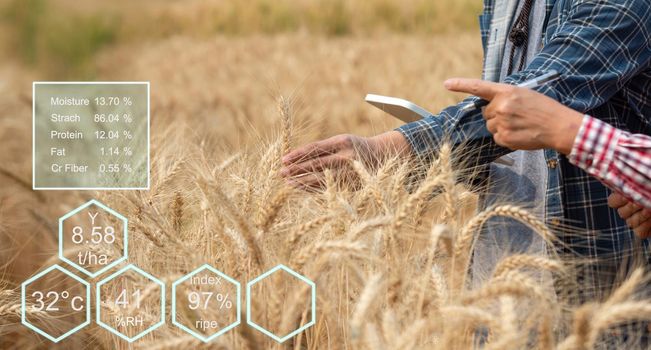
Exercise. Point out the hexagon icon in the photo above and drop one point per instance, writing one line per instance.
(127, 301)
(208, 297)
(293, 289)
(49, 294)
(93, 238)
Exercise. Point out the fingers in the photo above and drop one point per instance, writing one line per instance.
(309, 151)
(646, 214)
(638, 219)
(315, 165)
(640, 222)
(484, 89)
(491, 125)
(313, 182)
(627, 211)
(308, 182)
(617, 201)
(644, 231)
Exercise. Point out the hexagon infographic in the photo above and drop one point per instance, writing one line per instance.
(125, 303)
(50, 294)
(202, 303)
(292, 285)
(93, 238)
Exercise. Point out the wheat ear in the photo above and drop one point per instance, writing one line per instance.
(519, 261)
(243, 226)
(316, 250)
(271, 211)
(617, 314)
(465, 241)
(286, 111)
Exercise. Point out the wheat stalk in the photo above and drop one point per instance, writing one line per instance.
(364, 304)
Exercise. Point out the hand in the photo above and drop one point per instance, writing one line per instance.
(637, 218)
(304, 166)
(522, 119)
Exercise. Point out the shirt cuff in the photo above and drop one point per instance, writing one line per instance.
(422, 136)
(594, 146)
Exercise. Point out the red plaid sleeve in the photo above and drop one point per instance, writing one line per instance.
(619, 159)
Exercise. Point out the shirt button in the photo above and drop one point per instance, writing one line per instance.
(552, 163)
(555, 221)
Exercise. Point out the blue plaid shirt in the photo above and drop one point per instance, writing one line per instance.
(602, 48)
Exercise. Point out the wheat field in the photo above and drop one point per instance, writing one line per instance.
(390, 259)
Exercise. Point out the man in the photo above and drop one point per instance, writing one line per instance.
(602, 50)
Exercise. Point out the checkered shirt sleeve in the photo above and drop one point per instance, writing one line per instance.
(618, 158)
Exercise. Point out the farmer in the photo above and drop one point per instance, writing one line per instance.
(523, 119)
(602, 50)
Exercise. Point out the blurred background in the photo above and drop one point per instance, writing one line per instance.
(62, 38)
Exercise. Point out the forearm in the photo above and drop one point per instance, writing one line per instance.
(465, 132)
(393, 143)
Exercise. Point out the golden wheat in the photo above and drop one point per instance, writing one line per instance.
(390, 256)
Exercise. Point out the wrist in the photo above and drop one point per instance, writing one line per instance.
(565, 136)
(391, 143)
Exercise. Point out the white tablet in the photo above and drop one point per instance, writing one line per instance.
(402, 109)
